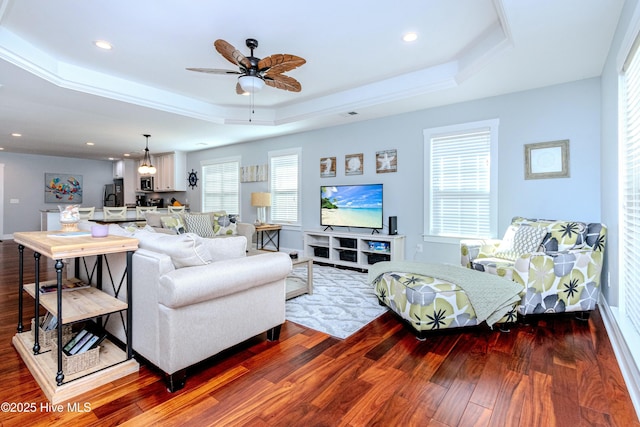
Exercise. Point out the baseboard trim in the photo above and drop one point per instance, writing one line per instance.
(624, 355)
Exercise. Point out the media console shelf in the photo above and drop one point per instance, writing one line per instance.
(357, 250)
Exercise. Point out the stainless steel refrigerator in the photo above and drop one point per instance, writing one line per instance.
(114, 193)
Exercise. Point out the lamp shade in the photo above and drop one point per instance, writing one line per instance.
(260, 199)
(251, 84)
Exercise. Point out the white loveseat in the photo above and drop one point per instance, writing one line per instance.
(194, 297)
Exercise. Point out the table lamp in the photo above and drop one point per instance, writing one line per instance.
(261, 201)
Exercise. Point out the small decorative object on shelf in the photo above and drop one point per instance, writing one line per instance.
(69, 217)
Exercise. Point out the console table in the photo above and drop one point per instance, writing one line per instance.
(70, 307)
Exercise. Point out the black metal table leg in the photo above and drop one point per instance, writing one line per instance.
(20, 284)
(59, 265)
(36, 312)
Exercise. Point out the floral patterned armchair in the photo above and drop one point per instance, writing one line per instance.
(558, 262)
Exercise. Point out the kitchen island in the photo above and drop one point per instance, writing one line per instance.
(50, 218)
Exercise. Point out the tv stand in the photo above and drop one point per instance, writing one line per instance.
(357, 250)
(328, 227)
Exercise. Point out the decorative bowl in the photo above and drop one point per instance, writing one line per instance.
(99, 230)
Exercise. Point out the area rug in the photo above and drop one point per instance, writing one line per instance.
(342, 302)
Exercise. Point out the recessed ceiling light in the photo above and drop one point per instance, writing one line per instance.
(1, 148)
(126, 154)
(16, 134)
(410, 37)
(103, 44)
(90, 143)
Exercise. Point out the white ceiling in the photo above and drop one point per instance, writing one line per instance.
(59, 91)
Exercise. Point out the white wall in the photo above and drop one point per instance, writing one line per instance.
(24, 180)
(569, 111)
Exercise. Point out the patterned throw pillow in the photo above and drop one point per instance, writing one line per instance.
(224, 224)
(526, 240)
(506, 244)
(199, 224)
(173, 222)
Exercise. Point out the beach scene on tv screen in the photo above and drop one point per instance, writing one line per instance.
(352, 206)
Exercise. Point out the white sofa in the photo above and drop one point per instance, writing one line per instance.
(193, 297)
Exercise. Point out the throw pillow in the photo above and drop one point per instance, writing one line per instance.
(199, 224)
(506, 244)
(185, 250)
(526, 240)
(154, 219)
(173, 222)
(224, 224)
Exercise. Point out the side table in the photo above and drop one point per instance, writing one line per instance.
(296, 285)
(272, 234)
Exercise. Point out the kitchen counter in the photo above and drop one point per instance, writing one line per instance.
(50, 218)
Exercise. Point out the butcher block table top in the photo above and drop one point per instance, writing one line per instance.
(60, 244)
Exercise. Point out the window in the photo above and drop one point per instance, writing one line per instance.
(461, 181)
(221, 185)
(284, 179)
(629, 161)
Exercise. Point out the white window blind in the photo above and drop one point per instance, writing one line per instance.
(221, 186)
(284, 178)
(461, 200)
(630, 192)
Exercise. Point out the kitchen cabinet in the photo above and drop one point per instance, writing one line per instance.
(171, 172)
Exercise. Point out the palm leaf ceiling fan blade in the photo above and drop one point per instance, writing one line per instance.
(280, 81)
(270, 69)
(231, 54)
(280, 63)
(214, 71)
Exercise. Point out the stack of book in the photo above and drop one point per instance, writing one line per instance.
(88, 338)
(48, 322)
(68, 285)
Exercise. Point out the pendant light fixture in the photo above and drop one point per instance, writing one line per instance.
(146, 168)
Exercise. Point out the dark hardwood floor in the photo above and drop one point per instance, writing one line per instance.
(560, 372)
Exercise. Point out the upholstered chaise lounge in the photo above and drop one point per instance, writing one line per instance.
(431, 296)
(558, 262)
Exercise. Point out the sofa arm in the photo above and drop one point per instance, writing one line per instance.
(247, 230)
(559, 281)
(472, 249)
(193, 285)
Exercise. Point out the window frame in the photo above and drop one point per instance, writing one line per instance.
(493, 127)
(281, 153)
(204, 164)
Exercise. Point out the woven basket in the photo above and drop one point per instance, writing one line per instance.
(77, 362)
(45, 337)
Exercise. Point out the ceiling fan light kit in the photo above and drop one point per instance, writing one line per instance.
(251, 84)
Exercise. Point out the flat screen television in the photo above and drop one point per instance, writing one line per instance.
(351, 206)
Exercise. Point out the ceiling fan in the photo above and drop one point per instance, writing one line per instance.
(255, 72)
